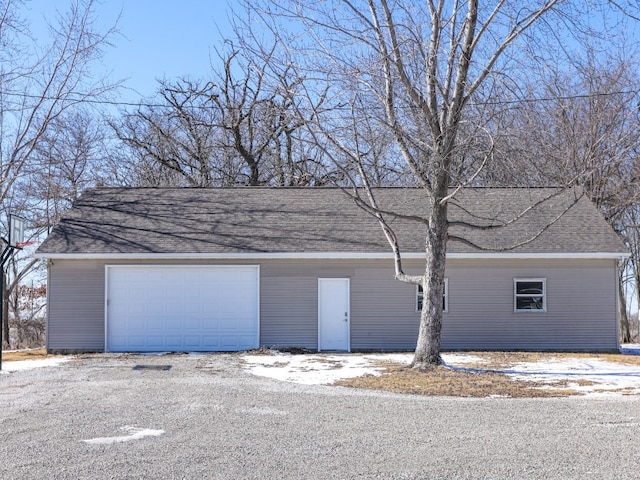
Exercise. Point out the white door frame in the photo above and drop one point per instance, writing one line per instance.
(346, 319)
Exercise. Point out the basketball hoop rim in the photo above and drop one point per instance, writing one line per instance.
(21, 245)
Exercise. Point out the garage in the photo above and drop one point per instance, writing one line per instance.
(204, 308)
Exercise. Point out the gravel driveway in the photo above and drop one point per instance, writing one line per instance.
(205, 417)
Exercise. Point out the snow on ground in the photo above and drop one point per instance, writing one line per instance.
(17, 365)
(589, 376)
(630, 348)
(325, 369)
(133, 433)
(320, 369)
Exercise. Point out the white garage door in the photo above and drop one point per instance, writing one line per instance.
(182, 308)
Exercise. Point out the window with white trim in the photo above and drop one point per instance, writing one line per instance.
(445, 296)
(530, 294)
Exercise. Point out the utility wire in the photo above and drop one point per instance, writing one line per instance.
(120, 103)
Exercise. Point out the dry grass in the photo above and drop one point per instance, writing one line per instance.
(480, 378)
(443, 381)
(24, 355)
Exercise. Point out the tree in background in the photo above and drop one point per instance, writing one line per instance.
(630, 270)
(236, 129)
(41, 82)
(591, 138)
(70, 157)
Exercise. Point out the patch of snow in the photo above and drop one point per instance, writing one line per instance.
(17, 365)
(23, 350)
(402, 358)
(630, 348)
(320, 369)
(325, 369)
(262, 411)
(589, 376)
(603, 377)
(134, 433)
(461, 358)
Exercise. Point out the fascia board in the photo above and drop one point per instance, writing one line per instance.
(321, 256)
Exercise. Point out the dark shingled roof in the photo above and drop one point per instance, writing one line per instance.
(316, 220)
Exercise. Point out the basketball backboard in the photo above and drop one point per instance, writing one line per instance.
(16, 230)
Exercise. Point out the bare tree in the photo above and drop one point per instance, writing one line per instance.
(234, 130)
(27, 314)
(631, 269)
(68, 159)
(39, 82)
(425, 70)
(592, 137)
(175, 136)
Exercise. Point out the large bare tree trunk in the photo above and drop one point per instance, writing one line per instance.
(427, 353)
(625, 327)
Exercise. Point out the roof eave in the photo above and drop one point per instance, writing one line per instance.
(323, 256)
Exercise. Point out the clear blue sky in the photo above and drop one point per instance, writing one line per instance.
(157, 38)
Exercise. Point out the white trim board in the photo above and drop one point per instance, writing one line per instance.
(321, 256)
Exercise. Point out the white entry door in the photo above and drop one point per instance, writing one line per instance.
(333, 314)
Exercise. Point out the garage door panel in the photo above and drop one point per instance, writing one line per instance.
(193, 342)
(153, 341)
(192, 322)
(182, 308)
(174, 342)
(135, 341)
(228, 340)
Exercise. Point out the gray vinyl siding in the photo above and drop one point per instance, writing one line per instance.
(383, 311)
(289, 300)
(75, 306)
(581, 304)
(581, 309)
(288, 310)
